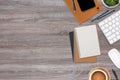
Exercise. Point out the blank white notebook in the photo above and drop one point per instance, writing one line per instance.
(87, 41)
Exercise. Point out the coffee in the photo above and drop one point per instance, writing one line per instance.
(98, 76)
(99, 73)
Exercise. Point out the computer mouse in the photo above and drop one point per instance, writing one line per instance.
(114, 55)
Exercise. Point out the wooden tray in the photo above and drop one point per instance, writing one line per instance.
(82, 16)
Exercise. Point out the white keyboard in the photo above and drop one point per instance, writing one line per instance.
(111, 27)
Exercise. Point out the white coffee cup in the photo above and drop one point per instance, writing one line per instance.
(98, 70)
(110, 6)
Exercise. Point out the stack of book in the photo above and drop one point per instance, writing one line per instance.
(86, 44)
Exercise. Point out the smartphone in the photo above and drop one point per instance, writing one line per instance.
(86, 4)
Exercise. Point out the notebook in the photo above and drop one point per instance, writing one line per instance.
(87, 41)
(82, 16)
(76, 55)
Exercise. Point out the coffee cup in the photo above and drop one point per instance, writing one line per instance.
(111, 3)
(98, 74)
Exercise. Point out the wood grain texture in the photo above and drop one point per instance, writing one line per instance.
(35, 44)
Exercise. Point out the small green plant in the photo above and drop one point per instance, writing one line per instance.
(111, 2)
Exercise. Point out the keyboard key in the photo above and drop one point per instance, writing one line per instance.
(118, 37)
(113, 21)
(110, 28)
(117, 33)
(109, 37)
(113, 26)
(103, 28)
(117, 23)
(112, 16)
(117, 19)
(110, 23)
(116, 14)
(106, 25)
(116, 28)
(108, 34)
(101, 23)
(105, 21)
(106, 30)
(112, 36)
(111, 41)
(114, 39)
(119, 12)
(113, 30)
(109, 19)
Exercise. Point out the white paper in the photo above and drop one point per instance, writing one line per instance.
(87, 41)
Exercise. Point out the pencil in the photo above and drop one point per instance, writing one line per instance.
(74, 7)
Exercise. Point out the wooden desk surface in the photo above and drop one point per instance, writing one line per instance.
(35, 43)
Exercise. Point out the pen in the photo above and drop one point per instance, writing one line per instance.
(106, 14)
(74, 7)
(99, 15)
(115, 74)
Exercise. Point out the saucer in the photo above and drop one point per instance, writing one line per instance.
(101, 68)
